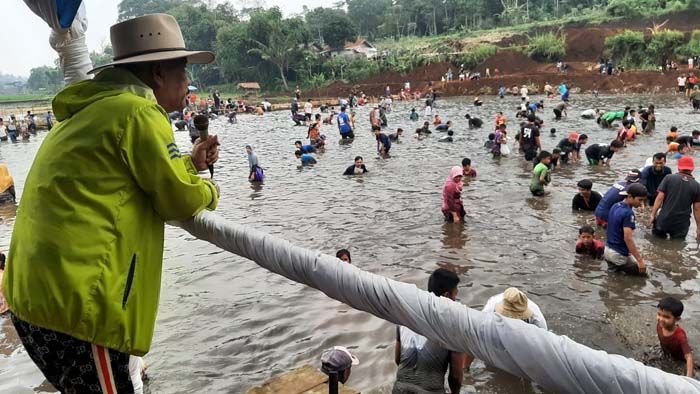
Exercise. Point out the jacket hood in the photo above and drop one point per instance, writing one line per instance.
(108, 83)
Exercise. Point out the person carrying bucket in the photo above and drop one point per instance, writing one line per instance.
(85, 262)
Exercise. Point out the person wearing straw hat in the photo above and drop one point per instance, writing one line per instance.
(85, 262)
(678, 195)
(514, 304)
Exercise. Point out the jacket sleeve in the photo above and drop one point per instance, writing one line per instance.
(149, 149)
(349, 171)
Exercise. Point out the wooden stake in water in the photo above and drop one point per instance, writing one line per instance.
(201, 123)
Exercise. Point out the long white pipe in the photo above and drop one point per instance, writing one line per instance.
(554, 362)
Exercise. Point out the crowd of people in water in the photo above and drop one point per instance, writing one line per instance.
(671, 197)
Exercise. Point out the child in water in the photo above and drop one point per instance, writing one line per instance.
(672, 135)
(587, 244)
(672, 338)
(540, 175)
(344, 255)
(306, 159)
(500, 139)
(490, 141)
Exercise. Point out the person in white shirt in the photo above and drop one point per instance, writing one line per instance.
(514, 304)
(524, 92)
(681, 83)
(308, 110)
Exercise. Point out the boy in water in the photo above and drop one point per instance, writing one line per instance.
(588, 245)
(395, 136)
(306, 159)
(474, 123)
(383, 143)
(673, 340)
(414, 115)
(447, 138)
(467, 169)
(344, 255)
(540, 175)
(490, 141)
(304, 148)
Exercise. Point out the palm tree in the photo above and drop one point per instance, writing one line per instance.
(278, 51)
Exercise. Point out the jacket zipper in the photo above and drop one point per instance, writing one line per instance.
(129, 281)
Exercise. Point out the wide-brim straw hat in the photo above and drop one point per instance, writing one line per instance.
(150, 38)
(514, 305)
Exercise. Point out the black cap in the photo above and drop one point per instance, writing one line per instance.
(635, 190)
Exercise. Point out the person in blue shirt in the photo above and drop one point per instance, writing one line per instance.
(344, 125)
(383, 142)
(49, 120)
(304, 148)
(444, 127)
(613, 196)
(621, 253)
(306, 159)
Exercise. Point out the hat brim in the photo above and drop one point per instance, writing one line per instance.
(193, 57)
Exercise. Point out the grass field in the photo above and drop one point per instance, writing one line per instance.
(20, 98)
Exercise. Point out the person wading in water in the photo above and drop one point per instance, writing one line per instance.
(84, 268)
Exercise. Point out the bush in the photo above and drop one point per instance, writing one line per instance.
(690, 49)
(478, 55)
(627, 48)
(632, 8)
(547, 47)
(663, 44)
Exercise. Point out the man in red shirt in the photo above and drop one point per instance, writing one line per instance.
(672, 338)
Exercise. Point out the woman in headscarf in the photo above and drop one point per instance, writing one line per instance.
(7, 186)
(452, 206)
(256, 172)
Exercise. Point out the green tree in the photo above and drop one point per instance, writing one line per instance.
(132, 8)
(627, 48)
(102, 57)
(368, 15)
(279, 51)
(337, 29)
(45, 78)
(663, 44)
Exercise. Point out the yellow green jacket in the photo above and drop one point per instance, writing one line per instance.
(87, 247)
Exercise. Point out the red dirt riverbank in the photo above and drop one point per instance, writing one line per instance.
(584, 49)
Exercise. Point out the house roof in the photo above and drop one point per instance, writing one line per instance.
(350, 46)
(358, 43)
(249, 85)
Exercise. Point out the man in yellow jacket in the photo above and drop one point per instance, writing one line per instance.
(84, 268)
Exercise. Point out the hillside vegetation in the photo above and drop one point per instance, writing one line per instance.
(260, 44)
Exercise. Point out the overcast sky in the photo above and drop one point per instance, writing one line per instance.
(26, 37)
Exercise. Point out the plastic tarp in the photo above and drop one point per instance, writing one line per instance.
(68, 24)
(555, 362)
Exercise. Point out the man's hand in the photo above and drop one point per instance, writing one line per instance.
(642, 267)
(205, 153)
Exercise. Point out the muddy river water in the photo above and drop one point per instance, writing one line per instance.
(226, 324)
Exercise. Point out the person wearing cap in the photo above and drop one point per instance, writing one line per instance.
(85, 262)
(568, 146)
(678, 194)
(514, 304)
(586, 199)
(613, 196)
(621, 253)
(422, 363)
(653, 174)
(339, 361)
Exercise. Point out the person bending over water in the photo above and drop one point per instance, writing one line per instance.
(452, 207)
(306, 159)
(613, 196)
(474, 123)
(601, 154)
(395, 136)
(304, 148)
(621, 253)
(383, 142)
